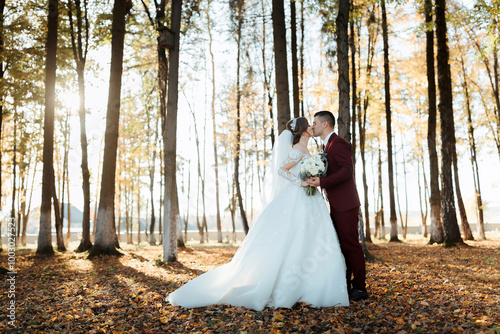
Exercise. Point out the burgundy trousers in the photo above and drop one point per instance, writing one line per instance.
(346, 224)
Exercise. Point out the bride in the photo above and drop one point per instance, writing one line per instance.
(291, 254)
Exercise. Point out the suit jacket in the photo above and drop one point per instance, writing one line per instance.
(339, 180)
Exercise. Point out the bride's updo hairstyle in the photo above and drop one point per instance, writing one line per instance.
(297, 126)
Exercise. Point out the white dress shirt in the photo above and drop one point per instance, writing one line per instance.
(327, 138)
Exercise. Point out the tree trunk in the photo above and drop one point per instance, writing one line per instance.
(362, 116)
(94, 223)
(387, 79)
(200, 226)
(461, 207)
(14, 169)
(119, 210)
(68, 234)
(65, 180)
(380, 213)
(2, 7)
(473, 154)
(450, 224)
(214, 129)
(26, 213)
(171, 207)
(186, 220)
(405, 224)
(80, 55)
(423, 206)
(127, 216)
(344, 117)
(267, 89)
(105, 225)
(200, 179)
(281, 65)
(301, 51)
(44, 234)
(238, 110)
(180, 240)
(58, 218)
(295, 62)
(152, 237)
(138, 212)
(437, 235)
(354, 89)
(162, 87)
(162, 192)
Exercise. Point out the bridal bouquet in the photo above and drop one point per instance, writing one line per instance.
(313, 166)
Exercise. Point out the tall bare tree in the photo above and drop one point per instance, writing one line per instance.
(214, 128)
(268, 94)
(238, 9)
(58, 219)
(79, 46)
(295, 61)
(362, 115)
(450, 224)
(158, 24)
(473, 153)
(105, 235)
(461, 206)
(281, 64)
(44, 233)
(387, 87)
(437, 235)
(171, 206)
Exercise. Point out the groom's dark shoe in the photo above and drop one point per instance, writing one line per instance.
(356, 295)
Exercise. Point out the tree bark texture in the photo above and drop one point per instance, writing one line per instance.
(58, 219)
(281, 64)
(344, 117)
(44, 234)
(437, 235)
(105, 225)
(238, 118)
(450, 224)
(387, 87)
(461, 206)
(171, 205)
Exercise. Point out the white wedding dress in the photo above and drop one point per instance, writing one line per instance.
(291, 254)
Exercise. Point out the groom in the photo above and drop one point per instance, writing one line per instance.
(344, 202)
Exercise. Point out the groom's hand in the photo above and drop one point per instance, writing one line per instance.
(313, 181)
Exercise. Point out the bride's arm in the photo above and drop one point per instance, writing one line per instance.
(293, 159)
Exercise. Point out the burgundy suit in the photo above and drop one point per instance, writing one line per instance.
(344, 207)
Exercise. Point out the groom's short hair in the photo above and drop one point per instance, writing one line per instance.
(326, 116)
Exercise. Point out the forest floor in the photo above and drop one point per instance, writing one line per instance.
(413, 288)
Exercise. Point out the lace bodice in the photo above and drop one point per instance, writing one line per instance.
(290, 168)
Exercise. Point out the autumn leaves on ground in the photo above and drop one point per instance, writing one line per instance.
(414, 288)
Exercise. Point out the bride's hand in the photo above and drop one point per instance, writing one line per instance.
(304, 183)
